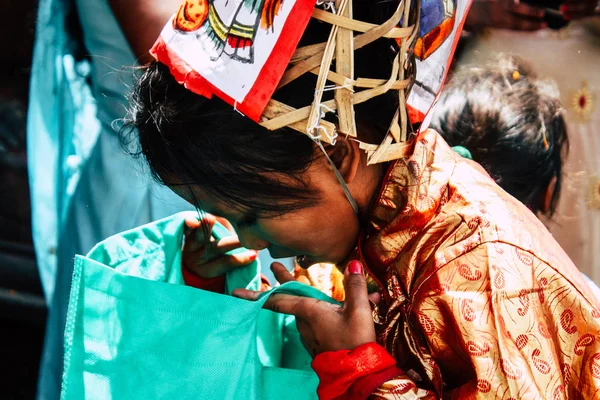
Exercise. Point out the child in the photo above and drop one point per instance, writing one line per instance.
(476, 299)
(512, 124)
(523, 155)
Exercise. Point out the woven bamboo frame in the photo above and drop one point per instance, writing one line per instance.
(346, 36)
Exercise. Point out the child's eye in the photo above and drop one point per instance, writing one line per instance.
(248, 220)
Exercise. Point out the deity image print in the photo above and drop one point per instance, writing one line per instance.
(433, 49)
(227, 26)
(437, 22)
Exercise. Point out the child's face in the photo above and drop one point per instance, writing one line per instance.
(324, 232)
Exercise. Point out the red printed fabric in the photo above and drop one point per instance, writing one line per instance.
(237, 50)
(353, 374)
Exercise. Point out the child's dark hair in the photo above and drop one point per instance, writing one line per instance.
(190, 140)
(513, 125)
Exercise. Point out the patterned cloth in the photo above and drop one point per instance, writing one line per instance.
(440, 26)
(479, 300)
(570, 58)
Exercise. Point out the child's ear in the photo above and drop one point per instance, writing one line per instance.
(346, 156)
(547, 199)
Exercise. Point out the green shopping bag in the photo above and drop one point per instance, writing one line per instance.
(134, 331)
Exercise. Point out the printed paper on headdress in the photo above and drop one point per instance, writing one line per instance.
(239, 51)
(434, 51)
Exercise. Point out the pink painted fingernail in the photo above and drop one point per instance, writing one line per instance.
(355, 267)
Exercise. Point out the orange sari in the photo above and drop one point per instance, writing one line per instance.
(479, 301)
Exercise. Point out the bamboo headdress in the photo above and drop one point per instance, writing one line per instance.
(243, 50)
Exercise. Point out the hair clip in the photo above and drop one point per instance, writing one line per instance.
(545, 136)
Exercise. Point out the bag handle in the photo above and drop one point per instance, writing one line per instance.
(292, 288)
(219, 231)
(297, 289)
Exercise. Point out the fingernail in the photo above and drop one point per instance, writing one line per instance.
(355, 267)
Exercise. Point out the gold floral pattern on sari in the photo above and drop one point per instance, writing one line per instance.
(479, 301)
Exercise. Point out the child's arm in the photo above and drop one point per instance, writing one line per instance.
(349, 363)
(495, 322)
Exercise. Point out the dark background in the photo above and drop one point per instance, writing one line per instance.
(22, 307)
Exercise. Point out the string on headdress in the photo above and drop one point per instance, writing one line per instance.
(340, 179)
(328, 5)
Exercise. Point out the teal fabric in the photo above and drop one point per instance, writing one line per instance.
(135, 331)
(463, 152)
(61, 129)
(84, 187)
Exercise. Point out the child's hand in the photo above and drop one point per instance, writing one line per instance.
(324, 326)
(205, 256)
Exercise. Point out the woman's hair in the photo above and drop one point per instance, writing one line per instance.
(511, 122)
(187, 139)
